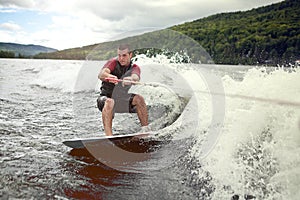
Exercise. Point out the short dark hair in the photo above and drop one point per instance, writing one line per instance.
(124, 46)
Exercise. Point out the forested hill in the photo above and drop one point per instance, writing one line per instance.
(12, 50)
(266, 35)
(269, 34)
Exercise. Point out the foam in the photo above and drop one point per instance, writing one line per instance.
(259, 140)
(61, 75)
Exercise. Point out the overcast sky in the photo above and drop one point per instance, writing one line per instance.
(63, 24)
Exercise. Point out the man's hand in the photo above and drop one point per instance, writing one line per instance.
(127, 81)
(112, 79)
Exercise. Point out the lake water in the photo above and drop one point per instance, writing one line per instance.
(231, 131)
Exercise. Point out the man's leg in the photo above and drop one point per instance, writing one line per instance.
(141, 109)
(107, 116)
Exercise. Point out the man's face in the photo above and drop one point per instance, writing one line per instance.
(124, 57)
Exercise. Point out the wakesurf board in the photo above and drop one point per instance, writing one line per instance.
(104, 140)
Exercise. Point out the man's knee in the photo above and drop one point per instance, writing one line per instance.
(104, 102)
(109, 104)
(138, 100)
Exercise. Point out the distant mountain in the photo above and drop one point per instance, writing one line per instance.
(21, 50)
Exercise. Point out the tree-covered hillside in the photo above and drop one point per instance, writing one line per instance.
(269, 34)
(266, 35)
(167, 42)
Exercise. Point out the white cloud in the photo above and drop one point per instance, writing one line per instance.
(17, 3)
(83, 22)
(15, 37)
(5, 36)
(10, 26)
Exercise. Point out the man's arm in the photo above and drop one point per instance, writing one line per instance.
(135, 75)
(107, 69)
(106, 73)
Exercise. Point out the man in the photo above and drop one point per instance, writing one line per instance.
(114, 96)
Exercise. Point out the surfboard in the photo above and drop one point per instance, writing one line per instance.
(116, 139)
